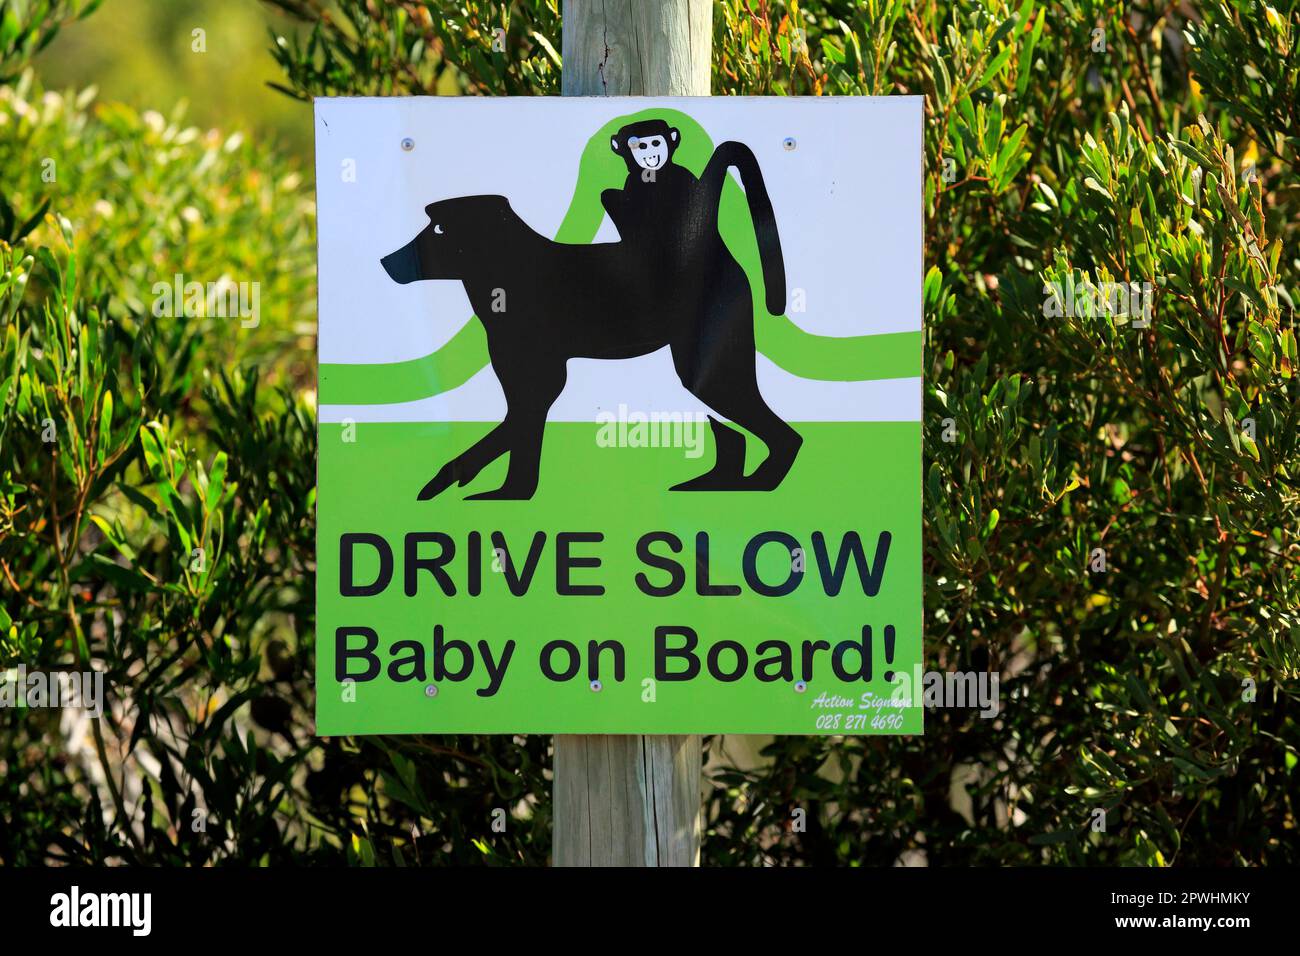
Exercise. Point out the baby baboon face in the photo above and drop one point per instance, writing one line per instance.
(649, 153)
(646, 145)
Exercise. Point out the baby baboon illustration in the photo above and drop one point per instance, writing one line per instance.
(670, 281)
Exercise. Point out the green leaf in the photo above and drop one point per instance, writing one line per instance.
(942, 82)
(1194, 154)
(216, 481)
(1098, 188)
(105, 428)
(996, 65)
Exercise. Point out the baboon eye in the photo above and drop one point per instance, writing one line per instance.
(437, 229)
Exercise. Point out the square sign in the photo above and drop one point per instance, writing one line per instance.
(620, 412)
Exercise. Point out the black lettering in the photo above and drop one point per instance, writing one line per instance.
(548, 651)
(851, 544)
(595, 649)
(564, 562)
(810, 649)
(415, 661)
(496, 671)
(474, 564)
(863, 650)
(440, 648)
(750, 563)
(415, 564)
(346, 543)
(676, 573)
(663, 652)
(342, 654)
(783, 659)
(518, 584)
(702, 585)
(742, 661)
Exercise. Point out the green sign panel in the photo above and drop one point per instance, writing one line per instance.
(620, 416)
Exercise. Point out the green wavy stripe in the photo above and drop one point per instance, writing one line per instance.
(825, 358)
(449, 366)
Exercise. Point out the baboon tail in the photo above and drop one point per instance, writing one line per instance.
(760, 210)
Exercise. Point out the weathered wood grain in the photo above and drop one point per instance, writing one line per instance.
(631, 800)
(637, 47)
(626, 800)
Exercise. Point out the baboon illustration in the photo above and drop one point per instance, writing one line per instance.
(670, 280)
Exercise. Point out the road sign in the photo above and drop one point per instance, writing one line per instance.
(620, 415)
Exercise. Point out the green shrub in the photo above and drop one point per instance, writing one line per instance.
(155, 199)
(394, 49)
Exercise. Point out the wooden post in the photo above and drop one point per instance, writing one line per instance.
(631, 800)
(637, 47)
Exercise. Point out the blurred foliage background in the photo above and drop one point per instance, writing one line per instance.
(157, 474)
(143, 52)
